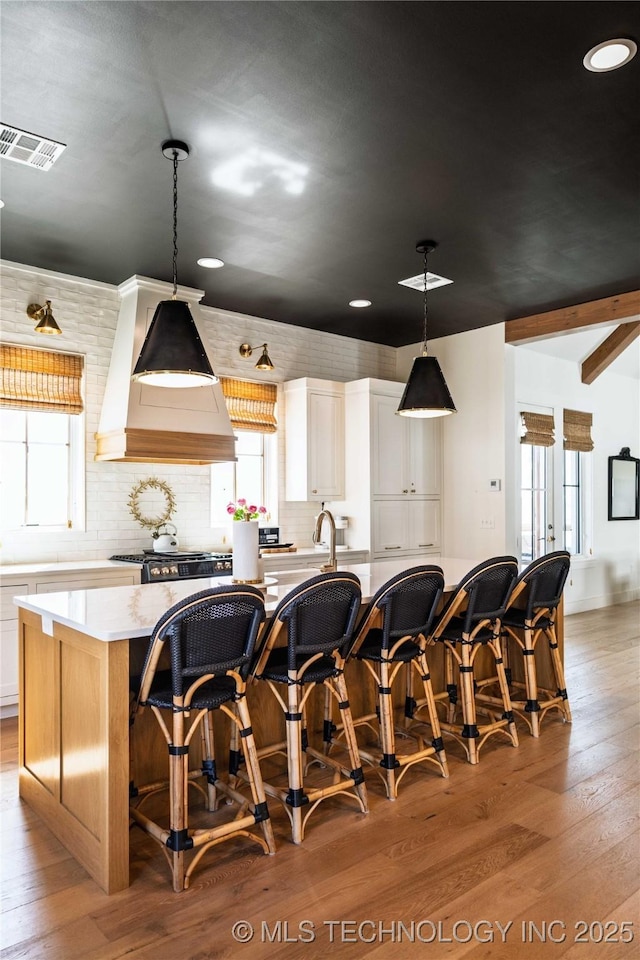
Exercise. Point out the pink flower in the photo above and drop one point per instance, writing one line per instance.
(252, 509)
(231, 508)
(242, 502)
(262, 509)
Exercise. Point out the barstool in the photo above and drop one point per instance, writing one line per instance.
(211, 638)
(317, 620)
(532, 613)
(470, 621)
(392, 632)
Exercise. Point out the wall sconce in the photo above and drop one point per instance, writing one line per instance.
(264, 363)
(46, 320)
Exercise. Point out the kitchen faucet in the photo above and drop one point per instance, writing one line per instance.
(331, 565)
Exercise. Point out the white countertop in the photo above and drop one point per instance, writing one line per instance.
(84, 566)
(119, 613)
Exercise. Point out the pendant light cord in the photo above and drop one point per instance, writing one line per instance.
(426, 309)
(175, 225)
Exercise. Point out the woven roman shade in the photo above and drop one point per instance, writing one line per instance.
(539, 429)
(576, 427)
(33, 379)
(251, 405)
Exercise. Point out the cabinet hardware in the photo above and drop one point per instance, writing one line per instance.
(426, 544)
(405, 491)
(314, 491)
(394, 548)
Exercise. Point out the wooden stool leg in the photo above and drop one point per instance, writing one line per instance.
(387, 734)
(209, 760)
(452, 689)
(350, 740)
(178, 802)
(254, 774)
(422, 665)
(296, 798)
(470, 729)
(559, 673)
(532, 707)
(504, 690)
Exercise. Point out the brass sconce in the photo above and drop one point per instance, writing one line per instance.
(46, 320)
(264, 363)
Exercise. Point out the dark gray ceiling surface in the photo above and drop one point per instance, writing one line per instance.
(473, 123)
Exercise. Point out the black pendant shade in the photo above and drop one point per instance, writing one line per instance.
(172, 354)
(426, 393)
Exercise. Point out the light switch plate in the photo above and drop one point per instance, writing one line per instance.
(495, 486)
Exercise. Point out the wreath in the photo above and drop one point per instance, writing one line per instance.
(151, 483)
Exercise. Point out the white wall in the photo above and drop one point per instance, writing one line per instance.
(87, 312)
(611, 573)
(473, 439)
(490, 382)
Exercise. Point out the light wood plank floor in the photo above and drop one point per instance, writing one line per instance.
(525, 856)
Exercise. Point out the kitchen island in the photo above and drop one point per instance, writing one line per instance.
(78, 650)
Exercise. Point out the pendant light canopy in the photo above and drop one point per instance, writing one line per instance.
(172, 354)
(426, 393)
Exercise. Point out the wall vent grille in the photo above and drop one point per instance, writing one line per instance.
(28, 148)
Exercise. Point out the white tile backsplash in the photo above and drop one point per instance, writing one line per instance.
(87, 312)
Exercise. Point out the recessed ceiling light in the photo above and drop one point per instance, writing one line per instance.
(610, 55)
(211, 263)
(359, 303)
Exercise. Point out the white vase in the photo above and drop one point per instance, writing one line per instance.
(246, 552)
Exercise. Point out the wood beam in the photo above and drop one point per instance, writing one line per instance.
(541, 326)
(608, 350)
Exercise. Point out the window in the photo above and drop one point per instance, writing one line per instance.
(42, 445)
(577, 499)
(39, 469)
(251, 477)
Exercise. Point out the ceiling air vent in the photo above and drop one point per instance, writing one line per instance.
(417, 282)
(28, 148)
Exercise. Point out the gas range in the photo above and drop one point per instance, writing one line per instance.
(159, 567)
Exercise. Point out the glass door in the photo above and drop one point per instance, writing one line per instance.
(536, 502)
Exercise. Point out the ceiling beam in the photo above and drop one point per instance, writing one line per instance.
(608, 350)
(555, 323)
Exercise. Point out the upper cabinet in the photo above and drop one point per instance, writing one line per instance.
(314, 439)
(405, 451)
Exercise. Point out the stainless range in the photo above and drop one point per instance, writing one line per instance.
(159, 567)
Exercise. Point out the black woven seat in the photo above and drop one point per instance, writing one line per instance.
(470, 621)
(315, 621)
(530, 615)
(211, 637)
(390, 635)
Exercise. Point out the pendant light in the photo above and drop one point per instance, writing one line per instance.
(426, 393)
(172, 354)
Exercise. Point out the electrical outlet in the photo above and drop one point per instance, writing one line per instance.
(488, 523)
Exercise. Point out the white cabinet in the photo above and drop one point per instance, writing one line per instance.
(405, 451)
(392, 473)
(52, 581)
(401, 527)
(314, 439)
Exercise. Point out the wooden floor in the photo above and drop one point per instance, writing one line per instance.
(531, 854)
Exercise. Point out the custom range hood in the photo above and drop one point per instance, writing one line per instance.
(144, 424)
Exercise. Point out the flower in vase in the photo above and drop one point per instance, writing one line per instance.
(241, 510)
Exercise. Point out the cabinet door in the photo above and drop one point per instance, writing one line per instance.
(9, 642)
(326, 446)
(423, 471)
(424, 525)
(389, 449)
(390, 534)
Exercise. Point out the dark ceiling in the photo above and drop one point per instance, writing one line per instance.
(472, 123)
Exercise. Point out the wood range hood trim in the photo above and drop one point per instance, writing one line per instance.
(143, 424)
